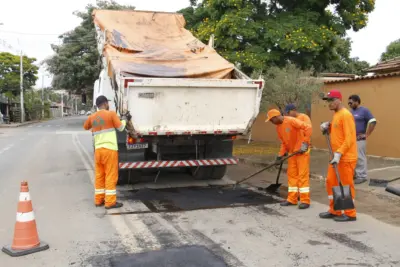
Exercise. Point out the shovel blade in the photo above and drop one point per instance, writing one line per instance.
(273, 188)
(344, 202)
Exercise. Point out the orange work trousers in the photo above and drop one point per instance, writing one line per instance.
(298, 173)
(346, 173)
(106, 162)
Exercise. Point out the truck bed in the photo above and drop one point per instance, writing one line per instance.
(169, 106)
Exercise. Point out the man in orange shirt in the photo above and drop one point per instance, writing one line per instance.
(103, 124)
(342, 132)
(291, 110)
(294, 136)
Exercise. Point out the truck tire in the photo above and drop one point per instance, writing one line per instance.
(128, 177)
(203, 173)
(218, 172)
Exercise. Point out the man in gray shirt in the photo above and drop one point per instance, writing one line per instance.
(365, 124)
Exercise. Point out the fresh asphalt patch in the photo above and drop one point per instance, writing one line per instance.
(193, 198)
(186, 256)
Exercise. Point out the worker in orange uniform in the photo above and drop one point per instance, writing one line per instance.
(103, 124)
(303, 183)
(294, 135)
(342, 132)
(291, 110)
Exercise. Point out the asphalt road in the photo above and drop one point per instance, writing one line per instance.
(195, 225)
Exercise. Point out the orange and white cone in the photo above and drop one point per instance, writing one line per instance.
(26, 238)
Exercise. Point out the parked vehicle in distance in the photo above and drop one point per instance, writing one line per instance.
(82, 112)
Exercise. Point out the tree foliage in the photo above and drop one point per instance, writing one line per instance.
(289, 85)
(392, 51)
(255, 34)
(10, 72)
(341, 62)
(76, 63)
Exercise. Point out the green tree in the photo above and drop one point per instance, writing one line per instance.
(10, 72)
(288, 85)
(76, 63)
(255, 34)
(392, 51)
(341, 62)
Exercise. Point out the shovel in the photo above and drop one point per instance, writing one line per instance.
(266, 168)
(272, 188)
(342, 199)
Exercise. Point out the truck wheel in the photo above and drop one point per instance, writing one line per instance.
(203, 173)
(218, 172)
(128, 177)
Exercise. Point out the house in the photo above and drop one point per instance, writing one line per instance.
(380, 93)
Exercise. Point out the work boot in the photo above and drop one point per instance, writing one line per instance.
(327, 215)
(100, 205)
(115, 206)
(360, 180)
(344, 218)
(287, 203)
(304, 206)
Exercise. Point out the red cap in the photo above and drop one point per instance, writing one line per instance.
(333, 94)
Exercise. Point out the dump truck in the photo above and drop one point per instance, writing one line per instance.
(187, 103)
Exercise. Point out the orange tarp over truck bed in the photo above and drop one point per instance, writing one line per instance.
(154, 44)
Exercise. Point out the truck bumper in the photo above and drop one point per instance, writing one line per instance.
(177, 163)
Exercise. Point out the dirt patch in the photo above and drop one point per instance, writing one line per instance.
(374, 205)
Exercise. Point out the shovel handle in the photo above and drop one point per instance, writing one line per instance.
(328, 140)
(268, 167)
(279, 173)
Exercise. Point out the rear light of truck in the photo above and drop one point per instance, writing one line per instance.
(260, 84)
(128, 81)
(132, 140)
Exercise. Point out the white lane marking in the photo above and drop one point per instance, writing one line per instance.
(48, 125)
(30, 126)
(118, 222)
(384, 168)
(6, 148)
(39, 126)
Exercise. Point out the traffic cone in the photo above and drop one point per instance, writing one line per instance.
(26, 239)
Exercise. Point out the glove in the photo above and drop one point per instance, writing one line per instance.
(304, 147)
(126, 117)
(325, 126)
(278, 159)
(336, 158)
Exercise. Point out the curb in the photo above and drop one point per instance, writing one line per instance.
(368, 156)
(18, 125)
(264, 164)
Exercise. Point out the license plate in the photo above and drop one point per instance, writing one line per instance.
(137, 146)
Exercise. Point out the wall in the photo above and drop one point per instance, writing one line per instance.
(380, 95)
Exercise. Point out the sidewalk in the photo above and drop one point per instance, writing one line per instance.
(13, 125)
(262, 154)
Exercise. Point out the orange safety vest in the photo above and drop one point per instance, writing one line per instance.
(103, 124)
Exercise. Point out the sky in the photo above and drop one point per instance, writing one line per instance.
(36, 26)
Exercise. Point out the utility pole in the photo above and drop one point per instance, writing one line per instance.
(42, 96)
(21, 85)
(62, 104)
